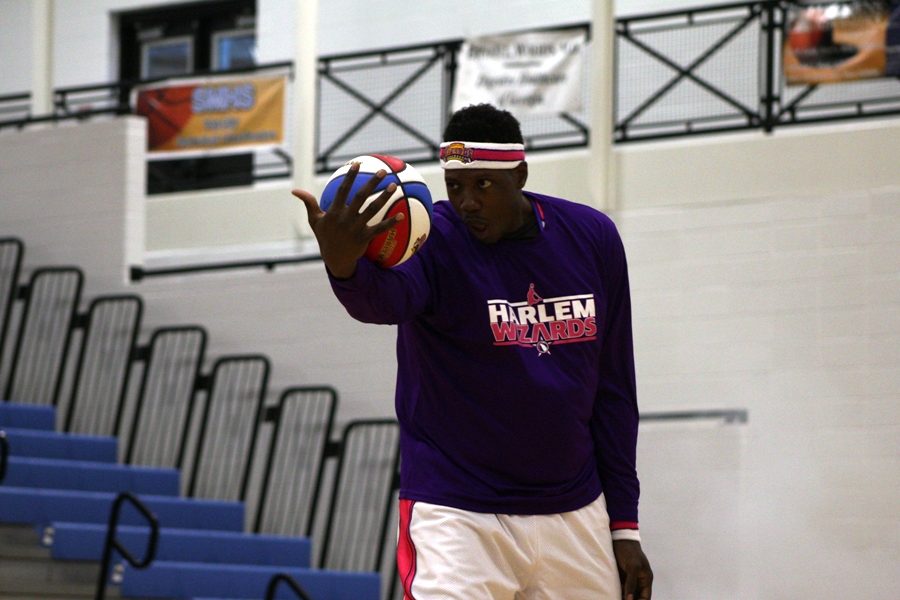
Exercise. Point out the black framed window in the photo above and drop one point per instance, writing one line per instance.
(181, 39)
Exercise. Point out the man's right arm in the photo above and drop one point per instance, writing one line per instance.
(384, 296)
(369, 293)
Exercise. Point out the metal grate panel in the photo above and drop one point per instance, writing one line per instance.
(163, 411)
(104, 361)
(11, 250)
(39, 359)
(224, 453)
(361, 500)
(303, 418)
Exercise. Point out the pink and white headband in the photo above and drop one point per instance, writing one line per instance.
(481, 155)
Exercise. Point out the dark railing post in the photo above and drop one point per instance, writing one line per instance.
(9, 246)
(769, 95)
(4, 454)
(290, 582)
(113, 544)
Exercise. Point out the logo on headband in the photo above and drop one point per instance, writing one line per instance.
(457, 151)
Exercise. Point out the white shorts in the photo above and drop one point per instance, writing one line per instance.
(450, 554)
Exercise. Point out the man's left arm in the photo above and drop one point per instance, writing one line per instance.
(615, 425)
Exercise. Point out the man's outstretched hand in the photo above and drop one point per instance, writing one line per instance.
(634, 570)
(342, 230)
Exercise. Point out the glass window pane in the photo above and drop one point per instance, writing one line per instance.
(234, 51)
(166, 57)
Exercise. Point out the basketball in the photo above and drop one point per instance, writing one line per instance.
(412, 198)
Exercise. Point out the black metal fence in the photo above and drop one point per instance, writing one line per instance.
(686, 72)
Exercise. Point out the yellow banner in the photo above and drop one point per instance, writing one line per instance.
(214, 114)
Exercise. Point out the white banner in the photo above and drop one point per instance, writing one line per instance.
(527, 74)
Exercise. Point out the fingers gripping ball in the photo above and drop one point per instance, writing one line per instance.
(412, 198)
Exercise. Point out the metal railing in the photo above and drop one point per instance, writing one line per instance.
(719, 68)
(735, 416)
(113, 544)
(4, 455)
(677, 73)
(15, 106)
(289, 581)
(11, 250)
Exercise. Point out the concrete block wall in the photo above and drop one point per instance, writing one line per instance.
(788, 307)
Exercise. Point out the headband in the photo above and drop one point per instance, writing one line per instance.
(481, 155)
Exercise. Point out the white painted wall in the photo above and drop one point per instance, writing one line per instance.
(787, 305)
(15, 46)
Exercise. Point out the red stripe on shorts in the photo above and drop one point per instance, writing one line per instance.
(406, 550)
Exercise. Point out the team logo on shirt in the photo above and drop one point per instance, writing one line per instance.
(543, 322)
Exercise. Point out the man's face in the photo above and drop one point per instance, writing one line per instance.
(489, 201)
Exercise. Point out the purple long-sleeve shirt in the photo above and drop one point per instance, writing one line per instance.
(515, 381)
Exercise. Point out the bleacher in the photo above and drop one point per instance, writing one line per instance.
(106, 493)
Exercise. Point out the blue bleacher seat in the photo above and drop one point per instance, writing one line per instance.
(165, 579)
(52, 473)
(41, 507)
(84, 541)
(50, 444)
(24, 416)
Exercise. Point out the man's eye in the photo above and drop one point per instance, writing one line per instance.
(484, 183)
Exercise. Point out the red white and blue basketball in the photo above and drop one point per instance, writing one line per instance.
(412, 198)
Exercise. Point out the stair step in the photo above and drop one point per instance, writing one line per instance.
(22, 554)
(41, 507)
(44, 590)
(82, 541)
(21, 541)
(26, 416)
(187, 580)
(52, 473)
(51, 444)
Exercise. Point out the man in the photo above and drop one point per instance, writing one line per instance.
(515, 382)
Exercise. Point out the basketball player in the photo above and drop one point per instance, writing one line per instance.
(515, 382)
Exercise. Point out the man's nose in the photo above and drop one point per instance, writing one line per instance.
(469, 203)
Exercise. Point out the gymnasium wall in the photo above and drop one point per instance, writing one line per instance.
(765, 276)
(764, 269)
(786, 305)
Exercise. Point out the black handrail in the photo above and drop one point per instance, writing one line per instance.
(113, 544)
(137, 273)
(119, 92)
(4, 454)
(290, 582)
(728, 416)
(6, 303)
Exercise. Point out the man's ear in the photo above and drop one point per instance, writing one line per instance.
(521, 174)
